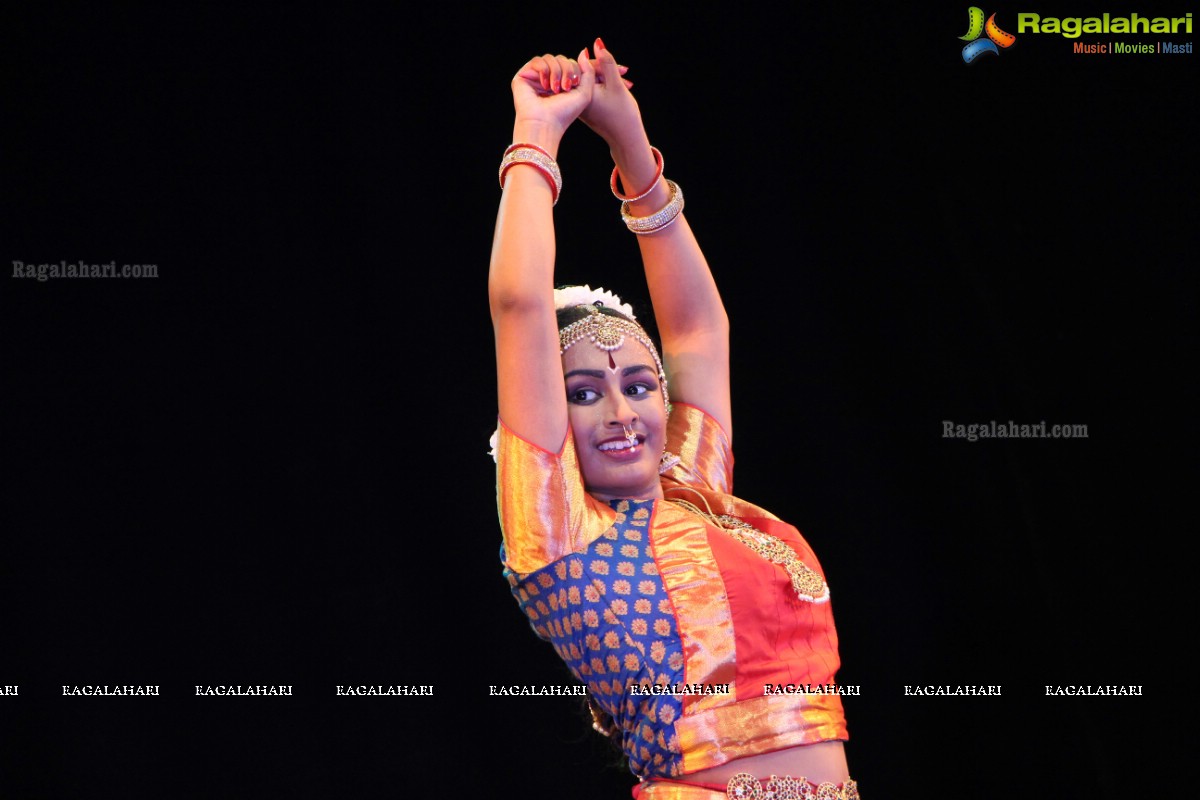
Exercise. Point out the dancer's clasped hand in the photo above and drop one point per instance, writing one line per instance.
(552, 91)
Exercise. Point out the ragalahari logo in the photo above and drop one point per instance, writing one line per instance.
(996, 38)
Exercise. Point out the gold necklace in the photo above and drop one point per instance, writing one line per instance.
(807, 582)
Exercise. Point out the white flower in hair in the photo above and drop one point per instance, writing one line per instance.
(586, 296)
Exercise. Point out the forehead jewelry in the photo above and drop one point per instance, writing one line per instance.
(607, 333)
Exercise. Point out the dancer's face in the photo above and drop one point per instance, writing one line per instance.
(602, 406)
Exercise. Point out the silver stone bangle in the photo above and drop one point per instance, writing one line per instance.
(659, 219)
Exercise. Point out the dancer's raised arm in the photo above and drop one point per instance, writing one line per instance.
(687, 307)
(548, 92)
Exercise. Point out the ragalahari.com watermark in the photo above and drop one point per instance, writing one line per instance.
(542, 690)
(948, 690)
(65, 270)
(388, 690)
(240, 690)
(975, 431)
(1076, 690)
(810, 688)
(111, 691)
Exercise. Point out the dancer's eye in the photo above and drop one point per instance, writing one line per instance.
(582, 396)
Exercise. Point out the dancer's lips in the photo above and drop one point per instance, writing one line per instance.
(621, 446)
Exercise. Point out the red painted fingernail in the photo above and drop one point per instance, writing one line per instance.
(600, 44)
(628, 84)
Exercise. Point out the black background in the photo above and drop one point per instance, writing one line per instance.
(268, 465)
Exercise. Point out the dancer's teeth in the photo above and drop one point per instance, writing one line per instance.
(622, 444)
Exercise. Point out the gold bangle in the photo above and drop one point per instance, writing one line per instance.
(659, 219)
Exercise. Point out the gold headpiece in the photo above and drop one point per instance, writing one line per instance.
(607, 333)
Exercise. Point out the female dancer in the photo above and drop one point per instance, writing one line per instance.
(699, 622)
